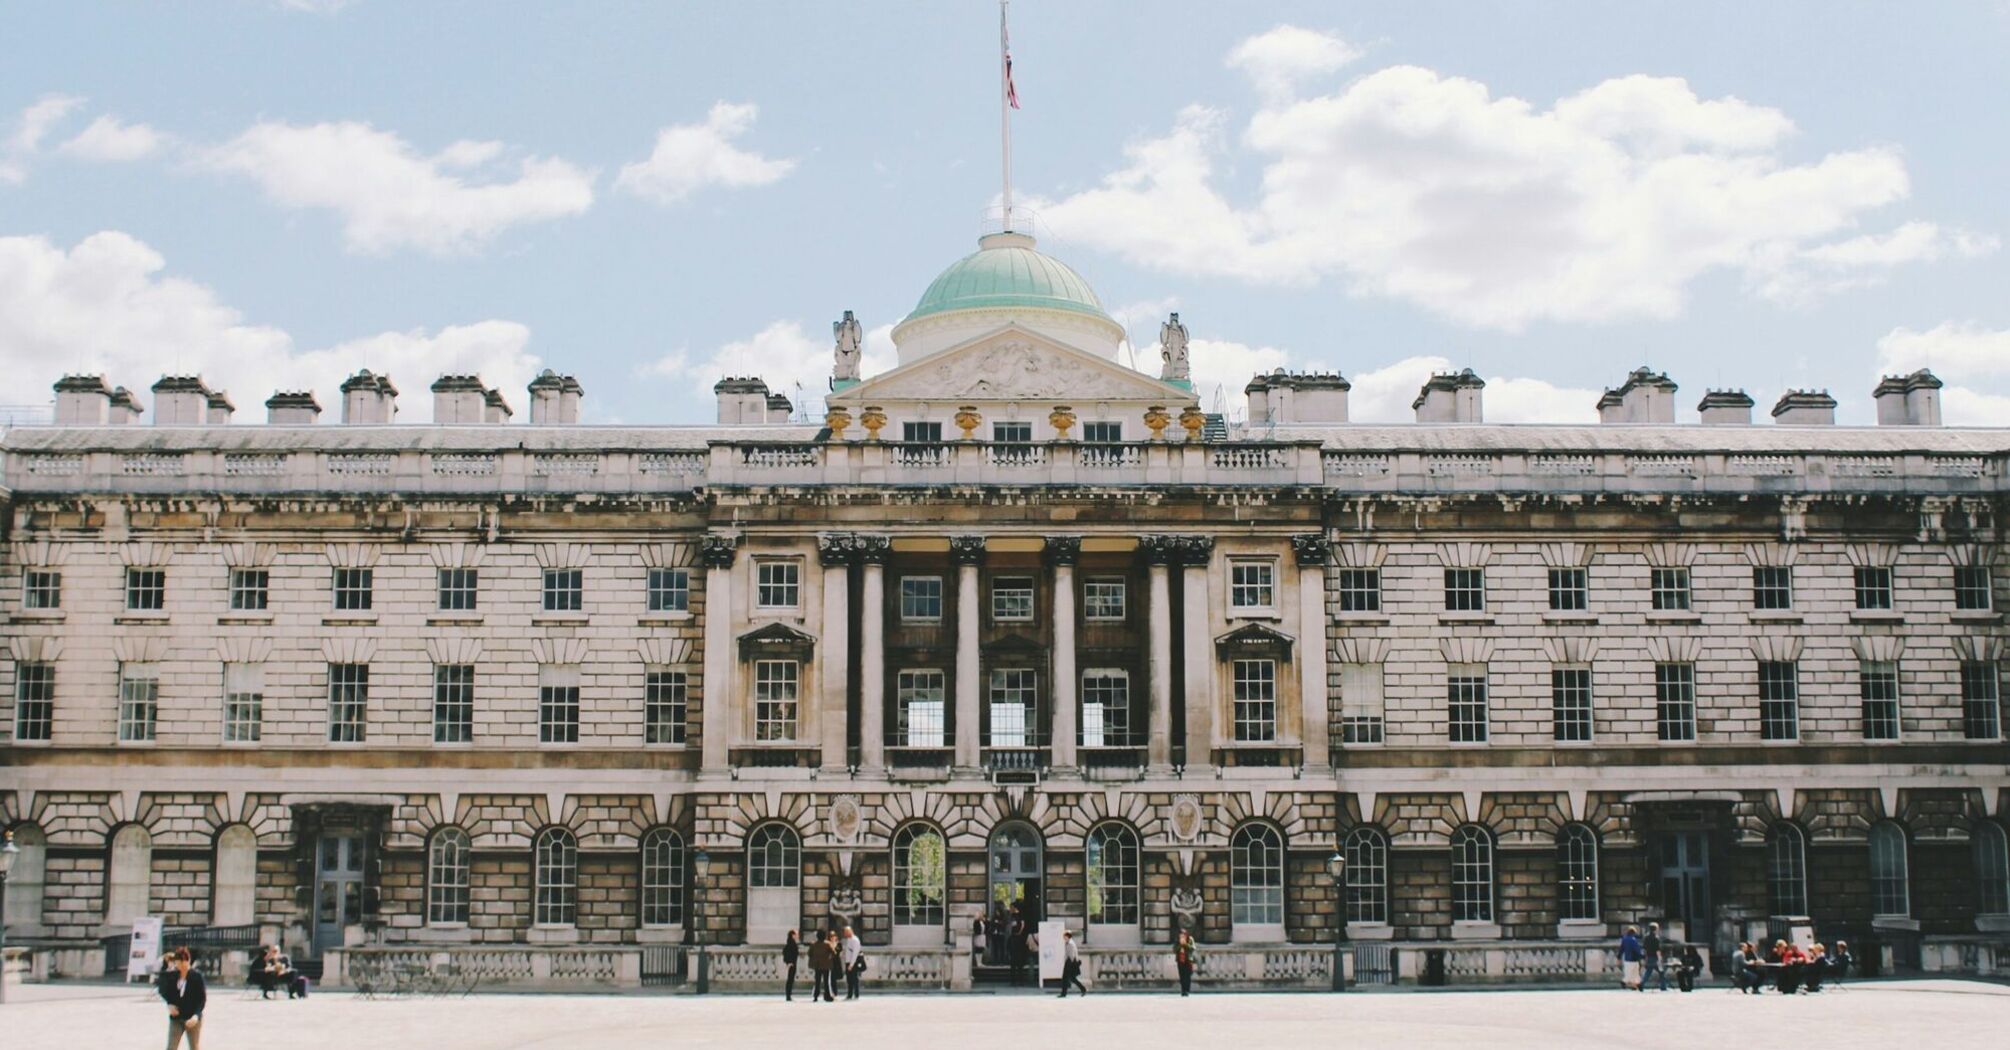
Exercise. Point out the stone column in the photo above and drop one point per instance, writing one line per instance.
(872, 551)
(1160, 552)
(1061, 554)
(834, 552)
(1310, 551)
(722, 706)
(967, 552)
(1197, 555)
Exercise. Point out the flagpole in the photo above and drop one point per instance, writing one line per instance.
(1005, 110)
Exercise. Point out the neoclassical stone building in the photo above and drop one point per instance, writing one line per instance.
(1016, 624)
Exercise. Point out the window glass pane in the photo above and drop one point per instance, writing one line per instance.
(776, 585)
(1670, 589)
(41, 589)
(1577, 868)
(1103, 599)
(920, 876)
(662, 878)
(1878, 684)
(557, 879)
(1570, 701)
(348, 702)
(1569, 590)
(669, 590)
(447, 877)
(564, 590)
(1787, 871)
(1465, 590)
(1773, 587)
(250, 589)
(1466, 699)
(1360, 590)
(558, 705)
(918, 706)
(1972, 587)
(1112, 861)
(1472, 875)
(775, 700)
(1361, 703)
(666, 696)
(243, 702)
(1779, 700)
(1255, 684)
(34, 701)
(921, 599)
(774, 858)
(453, 703)
(1992, 867)
(1012, 599)
(458, 589)
(1250, 585)
(1675, 701)
(353, 589)
(146, 590)
(1367, 851)
(1256, 876)
(1873, 588)
(1981, 711)
(139, 703)
(1890, 893)
(1106, 709)
(1012, 700)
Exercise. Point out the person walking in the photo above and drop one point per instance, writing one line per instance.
(1653, 965)
(822, 959)
(1071, 964)
(1629, 958)
(791, 948)
(854, 963)
(183, 991)
(1186, 955)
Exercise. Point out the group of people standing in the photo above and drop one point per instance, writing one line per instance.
(831, 954)
(1643, 959)
(1005, 936)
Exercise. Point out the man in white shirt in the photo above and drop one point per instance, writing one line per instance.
(853, 951)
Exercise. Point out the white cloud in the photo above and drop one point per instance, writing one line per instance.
(390, 197)
(109, 139)
(1963, 407)
(1956, 351)
(30, 128)
(1278, 60)
(690, 157)
(787, 357)
(107, 305)
(1798, 277)
(1492, 212)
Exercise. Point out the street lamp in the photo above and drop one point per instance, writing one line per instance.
(8, 852)
(701, 870)
(1336, 868)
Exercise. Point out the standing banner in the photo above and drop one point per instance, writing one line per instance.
(1052, 955)
(145, 956)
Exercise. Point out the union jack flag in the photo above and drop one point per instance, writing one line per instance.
(1011, 92)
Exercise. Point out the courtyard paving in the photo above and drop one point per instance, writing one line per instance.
(1947, 1013)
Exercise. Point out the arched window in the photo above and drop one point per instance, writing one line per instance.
(1787, 870)
(1472, 875)
(774, 883)
(25, 879)
(234, 902)
(662, 878)
(920, 876)
(1367, 853)
(447, 877)
(1256, 882)
(1112, 855)
(557, 878)
(126, 884)
(1889, 892)
(774, 858)
(1577, 873)
(1992, 868)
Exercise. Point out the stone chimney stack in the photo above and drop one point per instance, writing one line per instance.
(554, 399)
(1726, 408)
(220, 408)
(1805, 408)
(1908, 401)
(1647, 396)
(288, 408)
(83, 401)
(181, 401)
(126, 408)
(779, 408)
(494, 408)
(368, 398)
(742, 400)
(1450, 397)
(459, 399)
(1298, 397)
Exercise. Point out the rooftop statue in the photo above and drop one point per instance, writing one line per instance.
(847, 333)
(1172, 347)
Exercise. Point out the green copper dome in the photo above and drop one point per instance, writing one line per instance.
(1006, 272)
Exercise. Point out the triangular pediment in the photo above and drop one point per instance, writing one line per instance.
(1254, 639)
(777, 640)
(1012, 364)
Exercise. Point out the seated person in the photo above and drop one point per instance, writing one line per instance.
(1745, 970)
(1817, 967)
(262, 976)
(276, 971)
(1686, 970)
(1841, 961)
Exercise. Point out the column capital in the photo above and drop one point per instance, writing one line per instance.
(1311, 548)
(1159, 549)
(872, 548)
(836, 549)
(1195, 550)
(717, 549)
(1062, 550)
(966, 550)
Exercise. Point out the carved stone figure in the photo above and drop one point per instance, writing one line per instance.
(844, 819)
(848, 335)
(1172, 347)
(1186, 818)
(846, 905)
(1186, 906)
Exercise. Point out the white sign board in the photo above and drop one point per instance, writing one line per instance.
(1052, 954)
(145, 956)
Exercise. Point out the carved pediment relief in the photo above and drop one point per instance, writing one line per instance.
(1015, 366)
(776, 641)
(1254, 640)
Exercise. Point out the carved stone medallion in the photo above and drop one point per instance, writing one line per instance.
(1186, 818)
(844, 819)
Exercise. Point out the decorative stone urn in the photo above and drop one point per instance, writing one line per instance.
(1062, 418)
(968, 420)
(873, 419)
(837, 419)
(1194, 420)
(1156, 421)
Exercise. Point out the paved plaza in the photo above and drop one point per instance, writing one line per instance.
(1956, 1014)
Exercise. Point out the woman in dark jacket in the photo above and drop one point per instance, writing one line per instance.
(822, 958)
(790, 949)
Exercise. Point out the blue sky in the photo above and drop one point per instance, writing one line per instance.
(647, 194)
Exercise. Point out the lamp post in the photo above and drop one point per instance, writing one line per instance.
(8, 852)
(1336, 867)
(701, 869)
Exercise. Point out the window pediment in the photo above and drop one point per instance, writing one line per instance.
(1254, 640)
(777, 641)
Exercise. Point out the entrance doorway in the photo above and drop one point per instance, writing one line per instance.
(338, 888)
(1016, 866)
(1685, 883)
